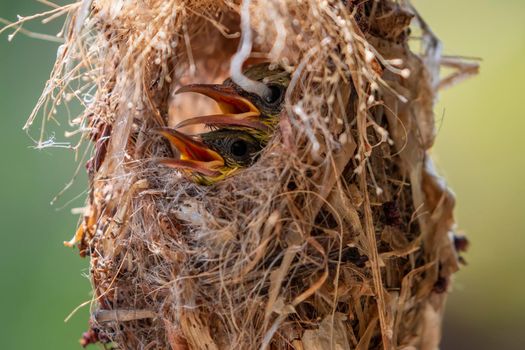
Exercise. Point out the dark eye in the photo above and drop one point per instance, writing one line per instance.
(239, 148)
(275, 95)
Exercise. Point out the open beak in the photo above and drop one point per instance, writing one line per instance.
(195, 156)
(236, 110)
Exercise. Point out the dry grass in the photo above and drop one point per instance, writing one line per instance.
(340, 236)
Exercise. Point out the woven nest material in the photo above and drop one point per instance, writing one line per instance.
(339, 237)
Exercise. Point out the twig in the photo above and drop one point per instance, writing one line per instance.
(102, 316)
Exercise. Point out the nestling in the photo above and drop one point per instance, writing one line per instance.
(238, 134)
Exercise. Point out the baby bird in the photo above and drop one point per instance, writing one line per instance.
(210, 157)
(238, 134)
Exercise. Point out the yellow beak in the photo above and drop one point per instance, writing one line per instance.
(236, 110)
(194, 155)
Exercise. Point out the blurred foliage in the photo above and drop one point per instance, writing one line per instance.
(42, 281)
(479, 149)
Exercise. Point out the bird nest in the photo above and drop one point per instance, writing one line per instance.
(338, 237)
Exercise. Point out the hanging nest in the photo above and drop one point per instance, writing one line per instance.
(340, 236)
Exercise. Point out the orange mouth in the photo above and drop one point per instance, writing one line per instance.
(194, 155)
(236, 110)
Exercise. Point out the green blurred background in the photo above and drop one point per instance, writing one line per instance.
(480, 149)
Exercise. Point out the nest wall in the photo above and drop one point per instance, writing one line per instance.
(338, 237)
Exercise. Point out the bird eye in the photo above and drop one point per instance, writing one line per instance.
(239, 148)
(275, 94)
